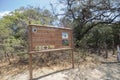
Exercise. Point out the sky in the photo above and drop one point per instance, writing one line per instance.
(7, 6)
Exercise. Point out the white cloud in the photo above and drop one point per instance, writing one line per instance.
(4, 13)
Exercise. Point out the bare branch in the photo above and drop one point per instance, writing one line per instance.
(69, 3)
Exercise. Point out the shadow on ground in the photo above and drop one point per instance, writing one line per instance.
(52, 73)
(110, 62)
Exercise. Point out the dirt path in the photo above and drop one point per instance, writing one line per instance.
(107, 70)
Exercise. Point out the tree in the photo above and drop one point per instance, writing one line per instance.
(13, 29)
(86, 14)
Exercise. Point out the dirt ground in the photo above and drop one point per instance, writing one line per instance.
(96, 68)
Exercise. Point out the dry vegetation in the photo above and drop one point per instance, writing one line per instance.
(39, 60)
(51, 62)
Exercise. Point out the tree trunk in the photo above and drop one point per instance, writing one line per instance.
(113, 47)
(12, 55)
(99, 48)
(7, 57)
(106, 51)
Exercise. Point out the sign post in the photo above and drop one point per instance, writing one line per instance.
(30, 66)
(48, 39)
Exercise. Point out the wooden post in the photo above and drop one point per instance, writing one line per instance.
(29, 49)
(72, 59)
(118, 53)
(30, 66)
(72, 49)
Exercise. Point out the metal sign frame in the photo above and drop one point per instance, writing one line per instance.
(31, 51)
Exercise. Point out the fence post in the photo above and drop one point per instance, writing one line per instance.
(118, 53)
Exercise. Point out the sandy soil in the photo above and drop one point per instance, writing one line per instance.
(107, 69)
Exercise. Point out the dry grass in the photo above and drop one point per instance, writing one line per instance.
(55, 61)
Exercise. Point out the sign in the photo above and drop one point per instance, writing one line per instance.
(47, 37)
(65, 41)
